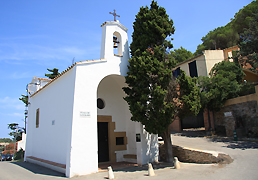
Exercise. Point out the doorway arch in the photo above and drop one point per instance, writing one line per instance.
(115, 114)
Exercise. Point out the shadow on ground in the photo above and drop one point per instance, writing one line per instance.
(200, 132)
(159, 165)
(38, 169)
(230, 143)
(123, 166)
(236, 144)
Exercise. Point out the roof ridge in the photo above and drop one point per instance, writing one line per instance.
(42, 78)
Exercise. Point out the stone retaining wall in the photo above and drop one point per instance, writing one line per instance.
(244, 120)
(196, 156)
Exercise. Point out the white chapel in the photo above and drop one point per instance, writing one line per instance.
(80, 118)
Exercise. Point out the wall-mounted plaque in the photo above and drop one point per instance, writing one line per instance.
(227, 114)
(84, 114)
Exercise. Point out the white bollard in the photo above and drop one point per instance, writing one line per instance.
(110, 173)
(150, 170)
(176, 163)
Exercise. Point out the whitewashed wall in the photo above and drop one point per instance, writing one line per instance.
(148, 148)
(88, 76)
(185, 68)
(21, 144)
(204, 63)
(36, 84)
(212, 57)
(87, 81)
(201, 66)
(50, 140)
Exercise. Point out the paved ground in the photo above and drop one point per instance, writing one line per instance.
(245, 155)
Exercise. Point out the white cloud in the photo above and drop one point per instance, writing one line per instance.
(72, 50)
(16, 75)
(15, 103)
(16, 114)
(22, 37)
(25, 52)
(4, 100)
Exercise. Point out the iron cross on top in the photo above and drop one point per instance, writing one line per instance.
(114, 14)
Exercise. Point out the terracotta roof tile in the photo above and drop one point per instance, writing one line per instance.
(45, 79)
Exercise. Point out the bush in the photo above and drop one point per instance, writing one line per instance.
(247, 89)
(19, 154)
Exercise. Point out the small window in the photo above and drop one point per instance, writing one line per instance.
(119, 140)
(176, 72)
(100, 103)
(138, 137)
(37, 118)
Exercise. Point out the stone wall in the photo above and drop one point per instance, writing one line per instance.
(196, 156)
(243, 118)
(193, 156)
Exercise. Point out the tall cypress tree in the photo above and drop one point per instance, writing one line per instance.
(150, 72)
(155, 98)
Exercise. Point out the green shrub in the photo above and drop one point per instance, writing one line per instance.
(19, 154)
(247, 89)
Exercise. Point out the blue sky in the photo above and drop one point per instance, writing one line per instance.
(40, 34)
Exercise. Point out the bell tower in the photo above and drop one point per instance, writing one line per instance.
(114, 42)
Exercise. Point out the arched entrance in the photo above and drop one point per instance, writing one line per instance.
(113, 119)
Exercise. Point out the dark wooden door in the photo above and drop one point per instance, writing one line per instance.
(103, 153)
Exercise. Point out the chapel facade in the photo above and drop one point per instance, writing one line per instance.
(80, 118)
